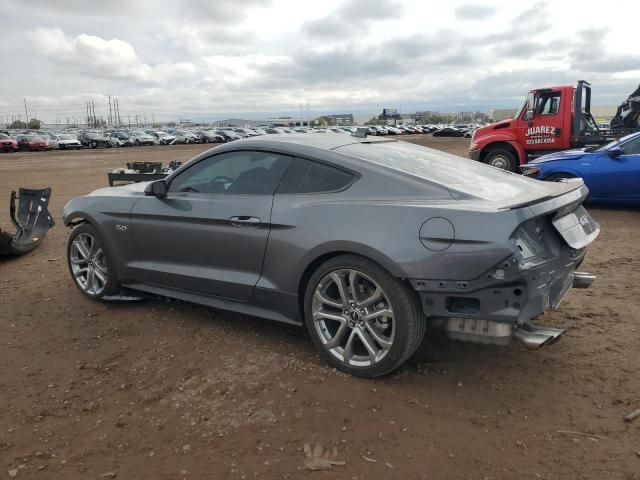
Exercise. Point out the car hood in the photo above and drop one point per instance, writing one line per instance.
(564, 155)
(129, 190)
(487, 129)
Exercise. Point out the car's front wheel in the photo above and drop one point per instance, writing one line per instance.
(90, 266)
(363, 320)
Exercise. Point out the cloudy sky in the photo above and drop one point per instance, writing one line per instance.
(258, 58)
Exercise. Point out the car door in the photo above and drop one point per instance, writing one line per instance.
(618, 178)
(544, 130)
(209, 234)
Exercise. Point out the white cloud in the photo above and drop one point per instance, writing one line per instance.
(196, 56)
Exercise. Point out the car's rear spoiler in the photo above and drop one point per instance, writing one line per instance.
(31, 218)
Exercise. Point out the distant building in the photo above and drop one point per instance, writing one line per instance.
(408, 118)
(342, 119)
(239, 122)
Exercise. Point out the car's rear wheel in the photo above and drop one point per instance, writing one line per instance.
(90, 266)
(363, 320)
(501, 158)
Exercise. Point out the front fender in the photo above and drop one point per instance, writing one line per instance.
(112, 221)
(485, 142)
(552, 170)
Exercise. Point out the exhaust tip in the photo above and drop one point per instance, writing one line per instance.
(583, 279)
(534, 337)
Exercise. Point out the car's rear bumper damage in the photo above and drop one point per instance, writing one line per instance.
(31, 218)
(500, 304)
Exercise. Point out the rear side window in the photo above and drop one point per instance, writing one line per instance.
(306, 176)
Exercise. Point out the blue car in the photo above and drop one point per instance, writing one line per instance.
(612, 172)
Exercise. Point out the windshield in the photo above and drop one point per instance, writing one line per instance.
(527, 105)
(66, 137)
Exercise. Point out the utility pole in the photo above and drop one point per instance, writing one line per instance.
(110, 119)
(26, 115)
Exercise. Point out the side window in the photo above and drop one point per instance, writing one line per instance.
(549, 104)
(306, 176)
(241, 173)
(632, 147)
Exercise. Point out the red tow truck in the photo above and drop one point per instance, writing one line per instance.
(551, 119)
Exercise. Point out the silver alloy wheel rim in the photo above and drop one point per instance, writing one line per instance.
(353, 318)
(88, 264)
(499, 162)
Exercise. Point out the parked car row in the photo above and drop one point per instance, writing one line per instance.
(121, 137)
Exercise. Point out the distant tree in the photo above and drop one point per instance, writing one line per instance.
(377, 120)
(323, 121)
(34, 124)
(18, 124)
(436, 118)
(171, 124)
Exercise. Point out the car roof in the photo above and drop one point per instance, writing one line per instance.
(318, 140)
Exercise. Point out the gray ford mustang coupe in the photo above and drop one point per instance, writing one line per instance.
(364, 241)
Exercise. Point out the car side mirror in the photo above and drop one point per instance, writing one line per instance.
(615, 152)
(528, 116)
(157, 189)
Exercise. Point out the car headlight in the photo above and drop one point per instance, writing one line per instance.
(530, 171)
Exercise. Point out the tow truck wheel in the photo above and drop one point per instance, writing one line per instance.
(501, 158)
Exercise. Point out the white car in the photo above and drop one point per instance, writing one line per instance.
(185, 136)
(140, 137)
(64, 141)
(162, 138)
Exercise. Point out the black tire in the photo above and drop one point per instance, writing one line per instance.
(410, 323)
(501, 158)
(556, 177)
(112, 285)
(94, 144)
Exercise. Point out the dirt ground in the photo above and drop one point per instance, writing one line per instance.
(157, 390)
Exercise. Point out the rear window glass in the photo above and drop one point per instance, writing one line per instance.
(422, 162)
(305, 176)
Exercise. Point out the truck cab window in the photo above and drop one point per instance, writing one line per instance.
(549, 104)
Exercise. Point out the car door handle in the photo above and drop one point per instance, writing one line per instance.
(245, 221)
